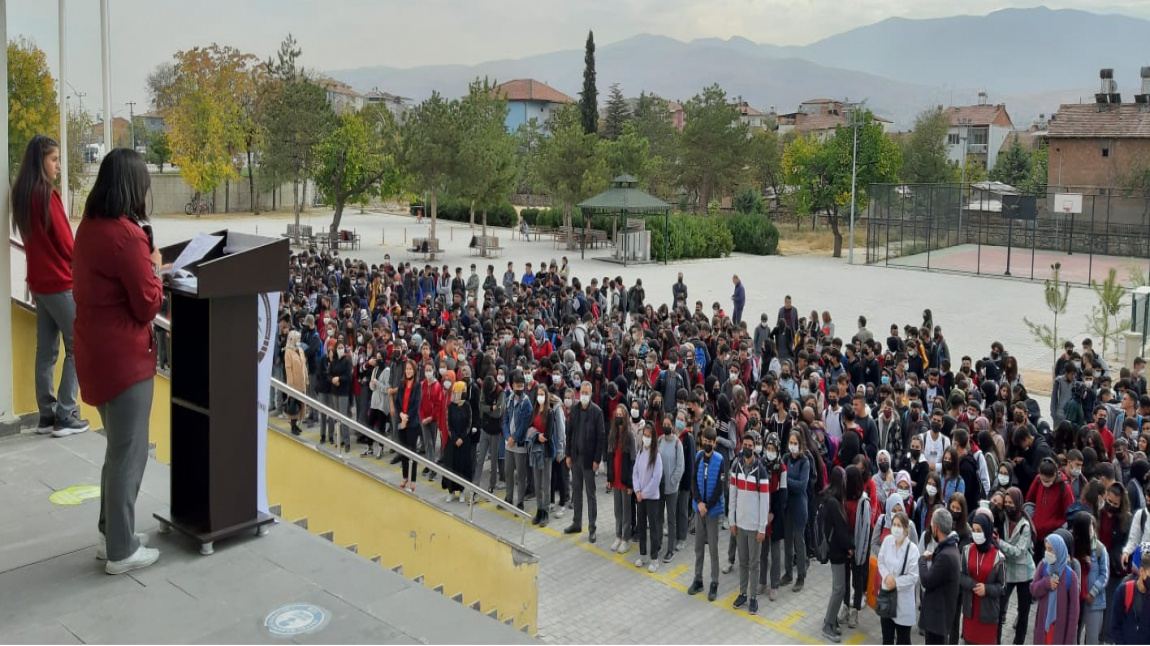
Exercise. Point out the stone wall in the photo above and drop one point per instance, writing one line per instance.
(170, 193)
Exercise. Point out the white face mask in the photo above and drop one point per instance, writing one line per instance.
(734, 376)
(638, 372)
(904, 494)
(978, 537)
(1003, 479)
(897, 532)
(1074, 473)
(556, 378)
(584, 399)
(567, 402)
(772, 455)
(634, 413)
(931, 490)
(446, 384)
(1050, 558)
(541, 399)
(672, 366)
(339, 352)
(500, 379)
(429, 375)
(646, 441)
(586, 365)
(794, 449)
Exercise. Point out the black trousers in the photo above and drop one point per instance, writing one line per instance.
(893, 633)
(935, 638)
(1022, 589)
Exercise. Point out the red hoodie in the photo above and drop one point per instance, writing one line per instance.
(48, 252)
(1050, 505)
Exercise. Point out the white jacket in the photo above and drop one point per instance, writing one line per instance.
(749, 494)
(1139, 531)
(890, 558)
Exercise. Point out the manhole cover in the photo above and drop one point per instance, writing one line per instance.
(74, 495)
(296, 619)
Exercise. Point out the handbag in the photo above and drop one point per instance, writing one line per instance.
(292, 406)
(886, 606)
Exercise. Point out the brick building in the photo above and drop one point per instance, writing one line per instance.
(1098, 144)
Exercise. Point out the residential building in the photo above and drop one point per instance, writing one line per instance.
(977, 132)
(821, 117)
(396, 105)
(530, 99)
(121, 132)
(153, 122)
(754, 118)
(340, 96)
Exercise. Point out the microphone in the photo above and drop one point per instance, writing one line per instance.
(151, 239)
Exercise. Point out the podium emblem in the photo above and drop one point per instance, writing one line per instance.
(296, 619)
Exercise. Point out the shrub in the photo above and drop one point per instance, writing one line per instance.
(748, 201)
(689, 236)
(753, 233)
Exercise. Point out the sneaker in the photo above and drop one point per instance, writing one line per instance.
(591, 535)
(70, 426)
(654, 566)
(798, 587)
(844, 612)
(680, 545)
(727, 567)
(142, 558)
(853, 618)
(641, 561)
(616, 544)
(786, 580)
(46, 425)
(831, 635)
(668, 555)
(557, 511)
(740, 601)
(753, 607)
(573, 529)
(696, 587)
(624, 547)
(713, 592)
(449, 497)
(102, 545)
(772, 594)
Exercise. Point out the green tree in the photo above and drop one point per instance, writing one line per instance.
(356, 159)
(713, 147)
(1035, 183)
(159, 151)
(1012, 166)
(32, 104)
(766, 161)
(528, 138)
(821, 172)
(629, 153)
(79, 123)
(1104, 319)
(571, 165)
(924, 158)
(1057, 294)
(431, 140)
(487, 168)
(617, 114)
(589, 96)
(652, 122)
(293, 118)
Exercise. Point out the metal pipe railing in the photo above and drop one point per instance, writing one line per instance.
(472, 489)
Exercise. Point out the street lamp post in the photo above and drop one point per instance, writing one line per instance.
(854, 111)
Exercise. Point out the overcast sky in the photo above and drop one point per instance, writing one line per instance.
(336, 34)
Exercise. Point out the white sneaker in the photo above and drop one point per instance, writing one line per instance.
(557, 511)
(727, 567)
(143, 557)
(640, 562)
(654, 566)
(625, 547)
(102, 545)
(616, 544)
(449, 497)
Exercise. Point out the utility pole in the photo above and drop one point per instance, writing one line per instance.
(106, 65)
(854, 178)
(132, 120)
(63, 40)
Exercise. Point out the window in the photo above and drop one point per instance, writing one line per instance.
(952, 139)
(979, 136)
(1105, 152)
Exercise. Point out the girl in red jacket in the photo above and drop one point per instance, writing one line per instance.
(38, 214)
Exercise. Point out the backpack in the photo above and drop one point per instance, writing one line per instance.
(701, 358)
(822, 540)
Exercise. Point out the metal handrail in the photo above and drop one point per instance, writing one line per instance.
(471, 488)
(474, 491)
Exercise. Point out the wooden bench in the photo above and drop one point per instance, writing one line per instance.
(299, 235)
(486, 246)
(424, 247)
(348, 239)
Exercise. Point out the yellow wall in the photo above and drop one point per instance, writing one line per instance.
(377, 517)
(402, 530)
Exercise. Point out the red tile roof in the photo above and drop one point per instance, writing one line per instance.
(1127, 120)
(979, 115)
(531, 90)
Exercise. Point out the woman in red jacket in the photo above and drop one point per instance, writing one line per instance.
(38, 214)
(118, 293)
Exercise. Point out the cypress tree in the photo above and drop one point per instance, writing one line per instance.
(589, 97)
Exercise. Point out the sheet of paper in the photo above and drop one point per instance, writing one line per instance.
(197, 248)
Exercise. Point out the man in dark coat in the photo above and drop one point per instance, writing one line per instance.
(938, 571)
(586, 444)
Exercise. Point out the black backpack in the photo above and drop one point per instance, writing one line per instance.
(822, 539)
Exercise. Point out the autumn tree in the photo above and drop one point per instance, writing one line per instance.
(713, 147)
(32, 104)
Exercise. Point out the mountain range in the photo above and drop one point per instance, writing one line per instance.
(1030, 59)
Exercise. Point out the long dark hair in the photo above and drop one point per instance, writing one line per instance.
(121, 187)
(32, 183)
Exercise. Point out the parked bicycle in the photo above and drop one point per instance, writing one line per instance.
(197, 206)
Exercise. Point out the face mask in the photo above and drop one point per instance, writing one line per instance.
(522, 341)
(541, 399)
(646, 441)
(978, 537)
(886, 379)
(556, 378)
(668, 430)
(584, 399)
(708, 448)
(804, 391)
(680, 425)
(1050, 558)
(931, 490)
(567, 402)
(638, 372)
(339, 352)
(884, 466)
(586, 365)
(904, 494)
(772, 455)
(793, 448)
(915, 454)
(634, 413)
(1075, 472)
(429, 375)
(897, 532)
(734, 376)
(1013, 513)
(946, 465)
(446, 385)
(500, 379)
(748, 452)
(1003, 479)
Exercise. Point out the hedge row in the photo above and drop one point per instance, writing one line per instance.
(689, 236)
(550, 217)
(754, 233)
(458, 210)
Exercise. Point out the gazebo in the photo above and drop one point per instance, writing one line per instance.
(624, 198)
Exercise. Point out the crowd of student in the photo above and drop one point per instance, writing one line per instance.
(934, 491)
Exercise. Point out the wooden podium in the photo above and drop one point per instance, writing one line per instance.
(216, 349)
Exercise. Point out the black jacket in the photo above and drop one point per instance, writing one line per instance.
(837, 531)
(939, 578)
(586, 437)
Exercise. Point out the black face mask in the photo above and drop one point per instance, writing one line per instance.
(747, 453)
(884, 466)
(915, 453)
(1013, 513)
(708, 448)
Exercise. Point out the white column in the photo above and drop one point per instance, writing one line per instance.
(64, 192)
(7, 415)
(106, 65)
